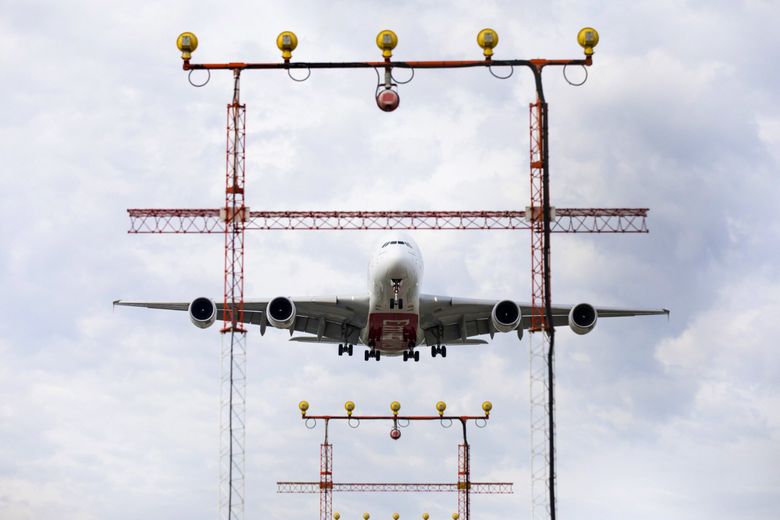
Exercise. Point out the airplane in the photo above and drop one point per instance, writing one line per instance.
(395, 318)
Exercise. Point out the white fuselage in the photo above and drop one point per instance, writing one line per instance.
(394, 276)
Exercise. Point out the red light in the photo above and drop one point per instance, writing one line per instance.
(395, 434)
(388, 100)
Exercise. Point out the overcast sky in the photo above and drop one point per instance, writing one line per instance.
(114, 414)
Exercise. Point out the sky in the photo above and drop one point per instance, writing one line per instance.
(115, 413)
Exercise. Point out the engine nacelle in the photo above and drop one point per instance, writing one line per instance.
(203, 312)
(281, 312)
(505, 316)
(582, 318)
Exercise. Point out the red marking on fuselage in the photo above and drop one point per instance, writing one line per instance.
(392, 330)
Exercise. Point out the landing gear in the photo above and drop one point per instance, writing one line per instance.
(411, 353)
(395, 302)
(372, 353)
(345, 348)
(439, 349)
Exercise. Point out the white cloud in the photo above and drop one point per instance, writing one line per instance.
(114, 415)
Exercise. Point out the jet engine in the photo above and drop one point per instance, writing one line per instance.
(582, 318)
(281, 312)
(505, 316)
(203, 312)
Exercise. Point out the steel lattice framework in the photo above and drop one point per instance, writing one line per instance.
(542, 332)
(477, 488)
(566, 220)
(234, 219)
(233, 380)
(464, 487)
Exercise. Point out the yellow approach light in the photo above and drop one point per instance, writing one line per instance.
(386, 41)
(487, 39)
(187, 42)
(336, 515)
(486, 407)
(440, 407)
(287, 42)
(349, 406)
(303, 406)
(394, 407)
(588, 37)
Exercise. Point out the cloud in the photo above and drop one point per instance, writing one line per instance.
(115, 414)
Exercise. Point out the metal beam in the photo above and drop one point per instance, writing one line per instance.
(480, 488)
(567, 220)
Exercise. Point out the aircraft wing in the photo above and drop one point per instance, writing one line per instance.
(334, 318)
(449, 320)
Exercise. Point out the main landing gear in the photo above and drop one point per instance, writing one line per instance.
(372, 353)
(439, 349)
(411, 353)
(345, 348)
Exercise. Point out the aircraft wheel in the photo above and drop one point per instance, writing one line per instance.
(377, 354)
(434, 351)
(417, 356)
(406, 356)
(341, 349)
(365, 355)
(443, 351)
(350, 349)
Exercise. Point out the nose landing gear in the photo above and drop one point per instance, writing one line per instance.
(396, 302)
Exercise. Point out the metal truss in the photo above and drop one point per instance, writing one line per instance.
(479, 488)
(233, 380)
(566, 220)
(464, 487)
(542, 349)
(540, 430)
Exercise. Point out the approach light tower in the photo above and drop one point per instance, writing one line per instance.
(463, 485)
(234, 218)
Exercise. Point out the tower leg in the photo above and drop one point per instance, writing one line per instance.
(233, 405)
(326, 481)
(232, 430)
(542, 335)
(540, 431)
(464, 481)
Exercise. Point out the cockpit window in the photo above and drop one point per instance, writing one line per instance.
(399, 242)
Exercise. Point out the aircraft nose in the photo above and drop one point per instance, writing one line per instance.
(393, 264)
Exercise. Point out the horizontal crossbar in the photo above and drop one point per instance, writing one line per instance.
(484, 488)
(567, 220)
